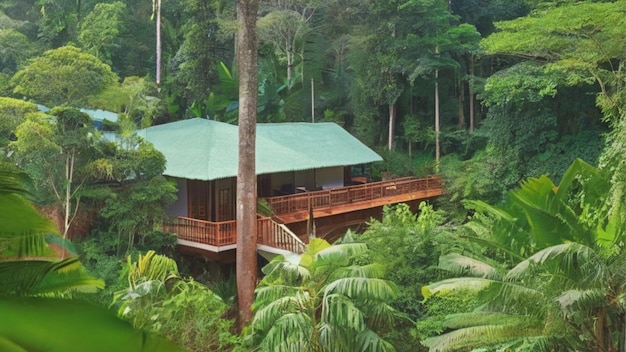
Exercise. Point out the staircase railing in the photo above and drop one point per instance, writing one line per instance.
(224, 233)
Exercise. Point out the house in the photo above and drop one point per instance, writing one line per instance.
(99, 117)
(304, 171)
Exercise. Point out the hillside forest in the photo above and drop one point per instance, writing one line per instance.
(519, 105)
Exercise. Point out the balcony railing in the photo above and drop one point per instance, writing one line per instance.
(273, 234)
(220, 234)
(300, 202)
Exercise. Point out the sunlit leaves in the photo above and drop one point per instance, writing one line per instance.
(562, 290)
(63, 76)
(320, 301)
(582, 35)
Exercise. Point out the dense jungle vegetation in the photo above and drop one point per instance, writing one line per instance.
(518, 104)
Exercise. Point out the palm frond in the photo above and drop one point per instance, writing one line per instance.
(580, 300)
(374, 270)
(369, 341)
(338, 310)
(480, 318)
(459, 263)
(483, 335)
(356, 287)
(21, 277)
(316, 301)
(596, 185)
(70, 280)
(536, 191)
(285, 271)
(466, 283)
(290, 333)
(270, 293)
(14, 181)
(483, 207)
(526, 298)
(381, 315)
(580, 262)
(336, 338)
(151, 266)
(19, 218)
(610, 233)
(495, 245)
(341, 250)
(36, 277)
(266, 316)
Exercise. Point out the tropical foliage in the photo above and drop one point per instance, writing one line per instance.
(554, 278)
(157, 296)
(64, 75)
(36, 324)
(321, 301)
(408, 246)
(36, 261)
(405, 242)
(524, 88)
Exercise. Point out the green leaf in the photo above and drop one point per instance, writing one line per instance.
(444, 286)
(462, 264)
(40, 324)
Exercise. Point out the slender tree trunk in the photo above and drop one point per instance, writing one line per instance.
(78, 10)
(461, 104)
(410, 143)
(312, 100)
(69, 172)
(392, 122)
(471, 94)
(411, 108)
(289, 64)
(158, 42)
(437, 147)
(246, 175)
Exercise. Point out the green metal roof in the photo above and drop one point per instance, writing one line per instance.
(203, 149)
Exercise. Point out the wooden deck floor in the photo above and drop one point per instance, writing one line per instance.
(295, 208)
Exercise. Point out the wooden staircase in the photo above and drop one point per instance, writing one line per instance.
(222, 236)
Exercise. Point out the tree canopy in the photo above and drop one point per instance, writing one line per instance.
(66, 75)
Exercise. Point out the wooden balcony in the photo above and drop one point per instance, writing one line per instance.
(222, 236)
(354, 204)
(295, 207)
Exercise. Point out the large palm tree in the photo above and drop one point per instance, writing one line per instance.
(319, 301)
(560, 283)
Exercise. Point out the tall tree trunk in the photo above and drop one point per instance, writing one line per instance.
(461, 104)
(157, 5)
(471, 94)
(437, 146)
(246, 175)
(69, 173)
(289, 64)
(411, 108)
(392, 122)
(312, 100)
